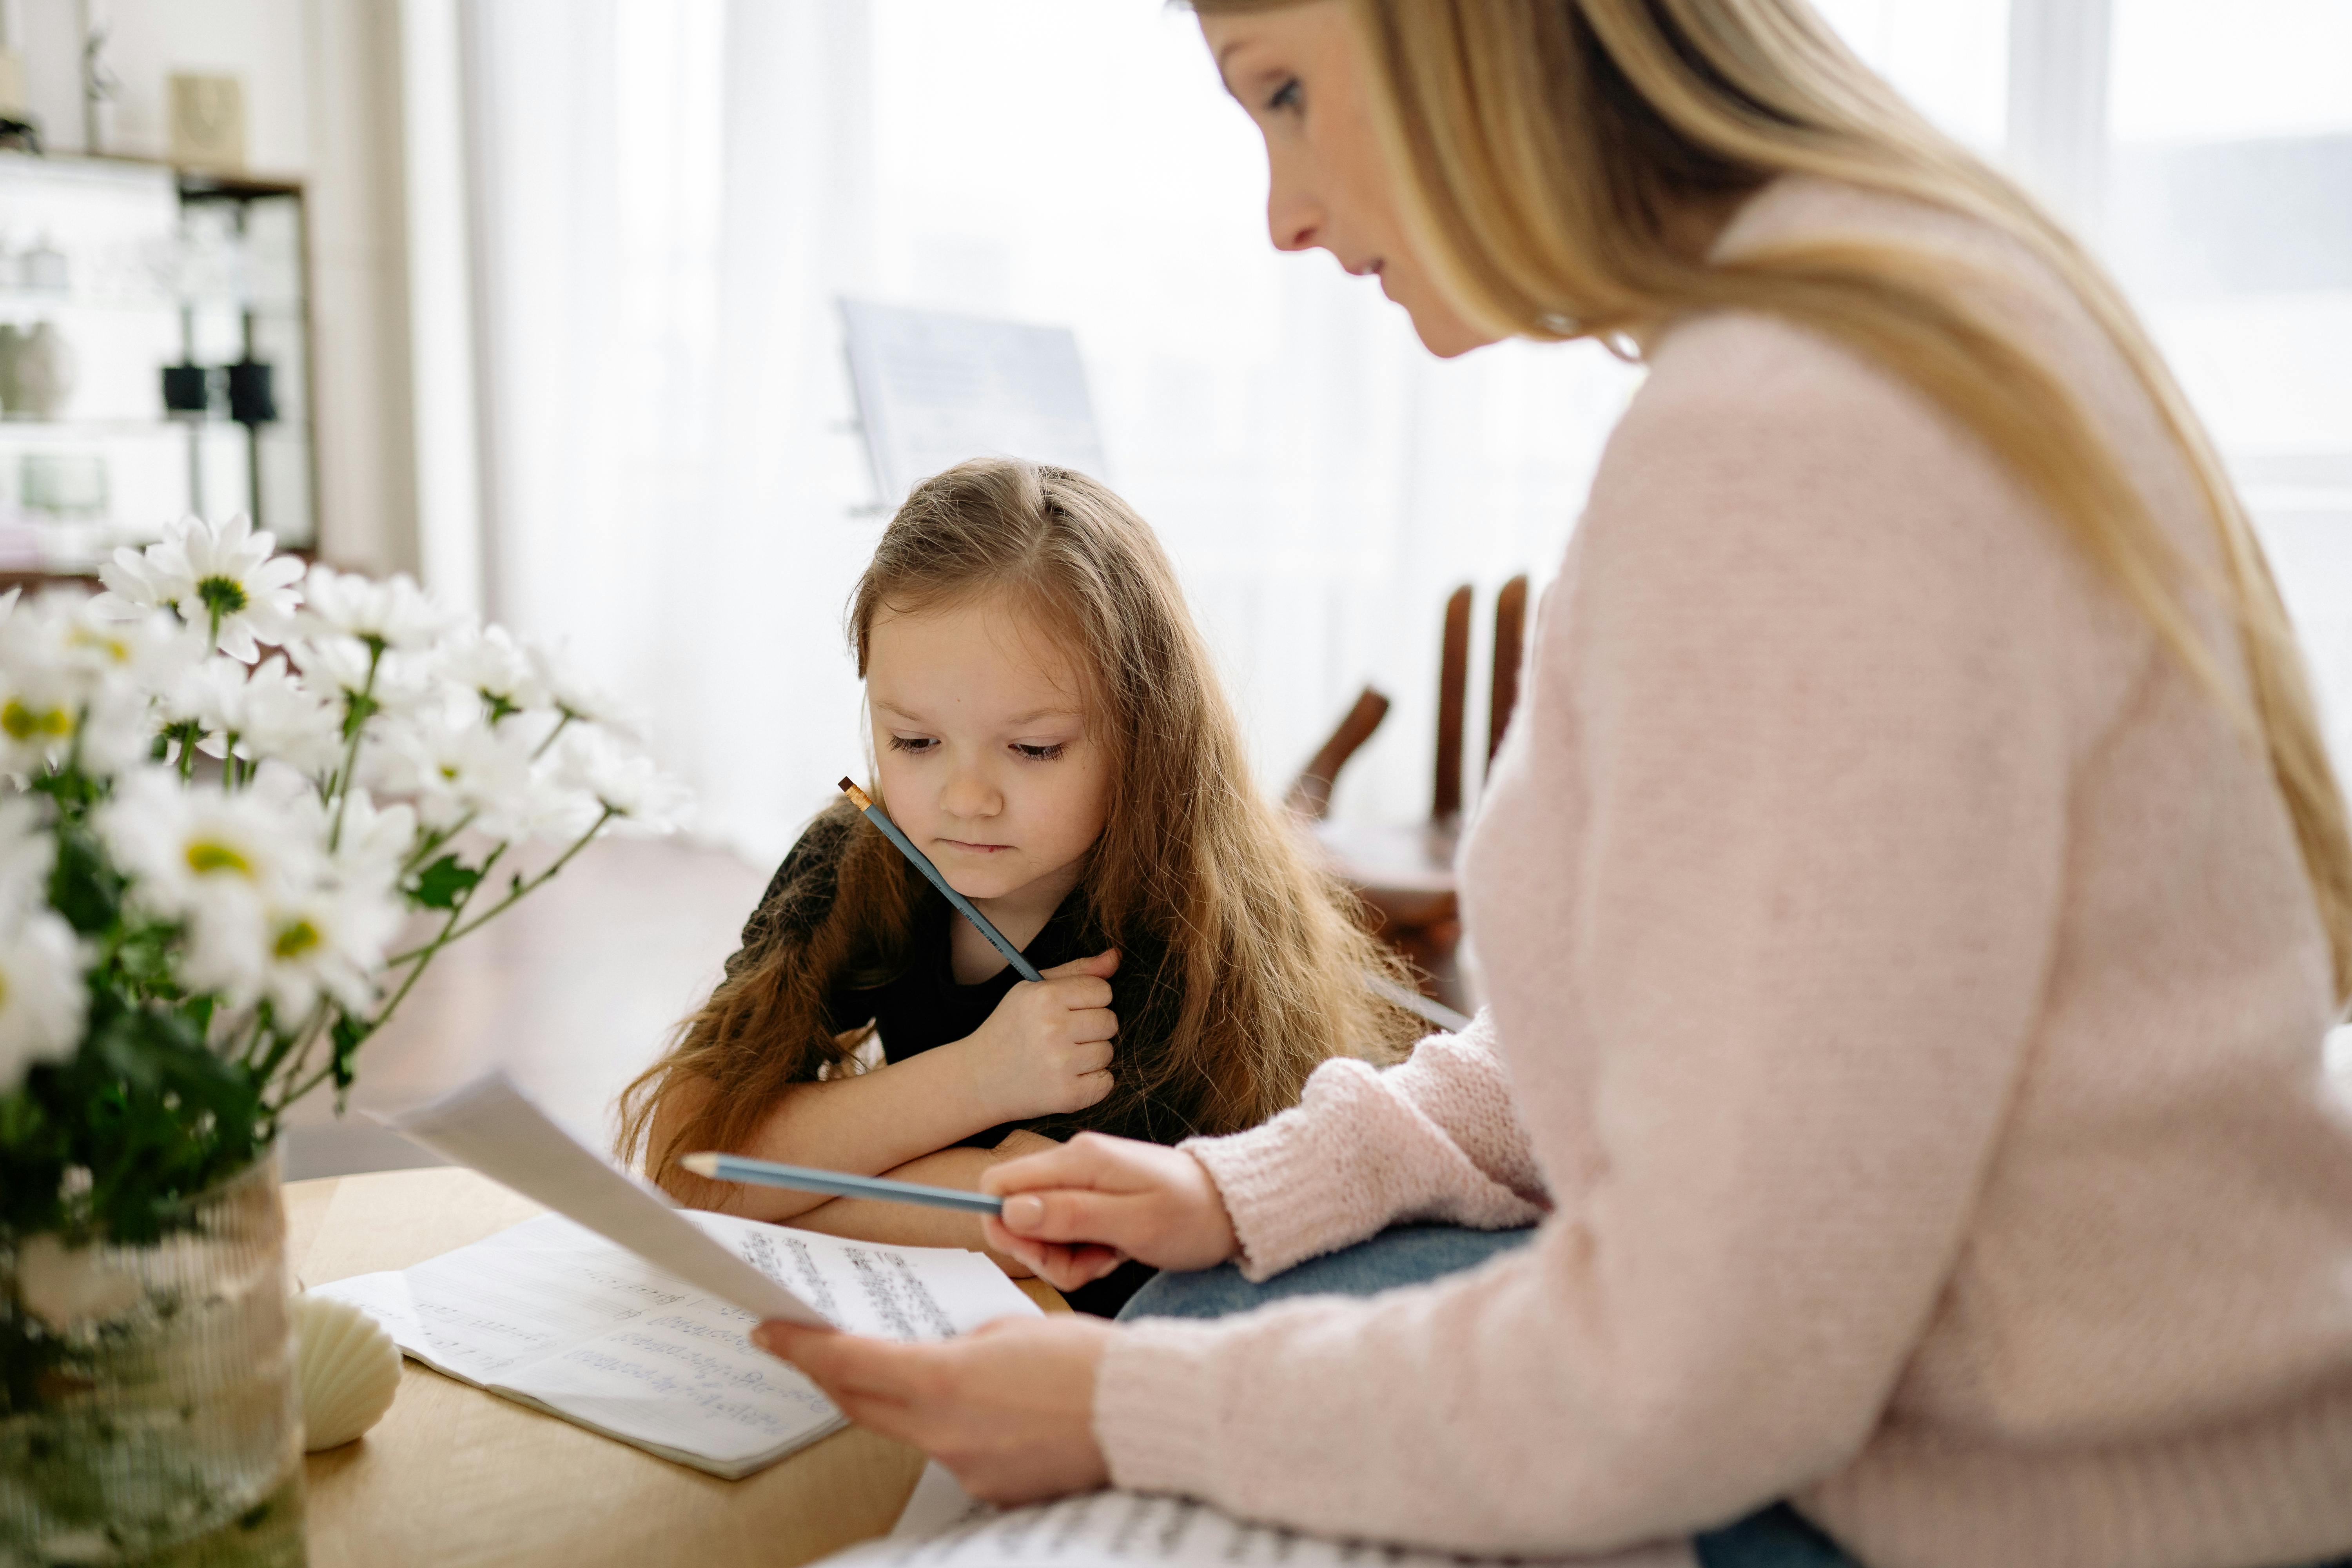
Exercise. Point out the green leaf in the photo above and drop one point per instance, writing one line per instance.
(440, 885)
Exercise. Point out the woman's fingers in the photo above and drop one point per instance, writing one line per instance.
(1064, 1213)
(1083, 1161)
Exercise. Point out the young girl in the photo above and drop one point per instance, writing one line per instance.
(1047, 728)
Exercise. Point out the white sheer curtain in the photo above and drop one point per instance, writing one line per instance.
(671, 195)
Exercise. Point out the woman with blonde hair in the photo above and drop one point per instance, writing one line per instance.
(1912, 899)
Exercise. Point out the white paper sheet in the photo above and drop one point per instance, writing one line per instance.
(942, 1527)
(489, 1126)
(630, 1316)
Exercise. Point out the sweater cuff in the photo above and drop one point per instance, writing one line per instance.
(1292, 1194)
(1155, 1414)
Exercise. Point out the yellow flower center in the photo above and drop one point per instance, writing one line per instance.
(295, 938)
(23, 724)
(115, 649)
(207, 856)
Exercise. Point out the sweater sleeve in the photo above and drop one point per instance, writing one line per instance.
(1814, 698)
(1431, 1138)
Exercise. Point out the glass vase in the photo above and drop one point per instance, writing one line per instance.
(152, 1415)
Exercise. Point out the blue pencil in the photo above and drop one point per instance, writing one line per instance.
(802, 1179)
(875, 815)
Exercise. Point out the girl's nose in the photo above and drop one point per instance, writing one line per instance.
(969, 794)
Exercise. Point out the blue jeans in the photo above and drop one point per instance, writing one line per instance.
(1775, 1537)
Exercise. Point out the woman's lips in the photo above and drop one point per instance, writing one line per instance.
(975, 848)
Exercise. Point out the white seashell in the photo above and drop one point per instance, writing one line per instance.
(349, 1367)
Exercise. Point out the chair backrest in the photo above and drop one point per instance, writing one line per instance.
(1453, 698)
(1310, 793)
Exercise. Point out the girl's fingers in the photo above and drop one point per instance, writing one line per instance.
(1093, 1023)
(1102, 965)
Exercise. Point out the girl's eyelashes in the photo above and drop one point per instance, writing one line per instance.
(1285, 97)
(1040, 753)
(918, 745)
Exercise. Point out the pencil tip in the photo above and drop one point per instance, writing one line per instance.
(700, 1165)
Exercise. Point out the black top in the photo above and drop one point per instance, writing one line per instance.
(921, 1005)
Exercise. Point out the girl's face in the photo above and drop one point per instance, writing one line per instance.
(1300, 71)
(987, 761)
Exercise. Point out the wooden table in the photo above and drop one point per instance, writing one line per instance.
(453, 1476)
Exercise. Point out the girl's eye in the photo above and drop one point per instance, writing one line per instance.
(1040, 753)
(918, 745)
(1285, 97)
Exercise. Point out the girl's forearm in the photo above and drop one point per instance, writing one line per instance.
(867, 1124)
(903, 1224)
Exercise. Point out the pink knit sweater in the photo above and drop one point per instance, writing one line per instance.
(1906, 1021)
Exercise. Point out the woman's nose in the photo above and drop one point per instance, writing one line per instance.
(1293, 217)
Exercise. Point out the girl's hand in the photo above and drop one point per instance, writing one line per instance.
(1045, 1050)
(1076, 1213)
(1009, 1408)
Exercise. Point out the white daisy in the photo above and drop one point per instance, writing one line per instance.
(571, 695)
(621, 780)
(43, 999)
(207, 701)
(330, 941)
(180, 846)
(223, 580)
(343, 670)
(487, 662)
(65, 693)
(374, 843)
(458, 774)
(392, 614)
(278, 718)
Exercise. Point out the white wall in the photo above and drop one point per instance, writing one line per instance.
(322, 103)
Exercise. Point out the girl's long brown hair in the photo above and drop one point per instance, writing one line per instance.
(1542, 148)
(1260, 966)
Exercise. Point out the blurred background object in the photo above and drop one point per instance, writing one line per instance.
(208, 122)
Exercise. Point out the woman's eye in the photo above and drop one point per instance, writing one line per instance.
(1285, 97)
(1040, 753)
(915, 743)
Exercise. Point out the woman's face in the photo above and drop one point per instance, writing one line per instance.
(1302, 74)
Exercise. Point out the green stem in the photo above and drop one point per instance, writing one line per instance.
(357, 715)
(292, 1052)
(559, 724)
(521, 890)
(432, 841)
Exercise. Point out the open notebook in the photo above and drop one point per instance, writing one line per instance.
(628, 1315)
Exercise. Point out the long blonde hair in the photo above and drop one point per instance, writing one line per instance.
(1544, 145)
(1252, 960)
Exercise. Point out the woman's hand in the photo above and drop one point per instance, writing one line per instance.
(1009, 1408)
(1045, 1050)
(1076, 1213)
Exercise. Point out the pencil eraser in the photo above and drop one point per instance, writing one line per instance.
(848, 785)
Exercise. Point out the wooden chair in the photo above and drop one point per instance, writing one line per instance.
(1404, 871)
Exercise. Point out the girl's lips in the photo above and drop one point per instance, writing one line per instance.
(974, 848)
